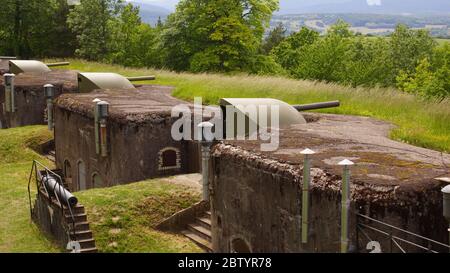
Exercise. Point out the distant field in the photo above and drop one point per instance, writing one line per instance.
(443, 41)
(421, 123)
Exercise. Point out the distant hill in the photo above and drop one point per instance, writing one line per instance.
(365, 6)
(367, 24)
(150, 13)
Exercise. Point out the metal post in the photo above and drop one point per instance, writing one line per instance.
(103, 112)
(305, 193)
(446, 206)
(9, 93)
(96, 127)
(206, 142)
(49, 91)
(345, 202)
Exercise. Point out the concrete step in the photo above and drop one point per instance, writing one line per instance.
(81, 235)
(204, 222)
(75, 210)
(78, 217)
(87, 243)
(204, 244)
(201, 231)
(89, 250)
(208, 213)
(80, 226)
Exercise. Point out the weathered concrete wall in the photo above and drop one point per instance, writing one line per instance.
(181, 219)
(30, 99)
(133, 150)
(4, 66)
(258, 201)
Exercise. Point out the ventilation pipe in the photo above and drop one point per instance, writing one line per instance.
(446, 206)
(103, 113)
(305, 193)
(49, 91)
(96, 126)
(9, 93)
(345, 202)
(206, 142)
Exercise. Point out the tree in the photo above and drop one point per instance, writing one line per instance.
(430, 78)
(367, 63)
(289, 52)
(275, 37)
(408, 47)
(215, 35)
(324, 59)
(34, 28)
(125, 31)
(92, 21)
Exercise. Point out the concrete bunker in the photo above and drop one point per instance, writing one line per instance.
(27, 97)
(23, 99)
(258, 195)
(131, 141)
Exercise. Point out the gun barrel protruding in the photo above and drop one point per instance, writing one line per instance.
(57, 64)
(320, 105)
(142, 78)
(7, 58)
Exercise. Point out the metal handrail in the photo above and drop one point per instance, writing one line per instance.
(39, 185)
(394, 239)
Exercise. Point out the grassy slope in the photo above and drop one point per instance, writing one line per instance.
(421, 123)
(138, 206)
(122, 217)
(17, 233)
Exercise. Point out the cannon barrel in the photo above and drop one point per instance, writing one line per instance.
(7, 58)
(64, 196)
(319, 105)
(142, 78)
(57, 64)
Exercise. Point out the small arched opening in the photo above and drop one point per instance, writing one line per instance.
(97, 181)
(67, 169)
(169, 158)
(239, 245)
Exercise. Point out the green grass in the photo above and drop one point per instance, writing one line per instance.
(138, 207)
(443, 41)
(419, 122)
(17, 232)
(122, 218)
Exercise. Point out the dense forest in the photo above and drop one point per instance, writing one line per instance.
(226, 36)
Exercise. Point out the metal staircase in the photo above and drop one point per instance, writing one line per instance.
(74, 217)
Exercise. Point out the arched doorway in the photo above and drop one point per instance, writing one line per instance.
(97, 181)
(81, 176)
(238, 245)
(67, 169)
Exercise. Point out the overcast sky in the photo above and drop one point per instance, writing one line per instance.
(299, 6)
(172, 3)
